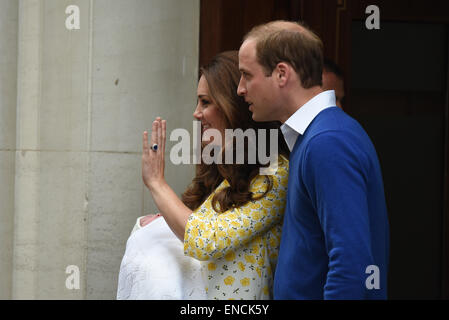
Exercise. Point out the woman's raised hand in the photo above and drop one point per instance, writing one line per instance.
(153, 156)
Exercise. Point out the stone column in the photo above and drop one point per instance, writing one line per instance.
(84, 98)
(8, 94)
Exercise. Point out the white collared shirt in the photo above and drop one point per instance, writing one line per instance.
(301, 119)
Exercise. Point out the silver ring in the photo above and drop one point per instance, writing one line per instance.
(154, 147)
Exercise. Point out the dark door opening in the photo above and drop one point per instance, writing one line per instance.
(398, 92)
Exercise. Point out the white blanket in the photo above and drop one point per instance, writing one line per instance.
(154, 266)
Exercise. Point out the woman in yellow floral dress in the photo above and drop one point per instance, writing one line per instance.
(230, 216)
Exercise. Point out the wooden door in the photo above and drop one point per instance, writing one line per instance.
(396, 81)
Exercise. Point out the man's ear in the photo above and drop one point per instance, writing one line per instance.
(282, 73)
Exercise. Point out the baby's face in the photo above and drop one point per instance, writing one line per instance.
(148, 219)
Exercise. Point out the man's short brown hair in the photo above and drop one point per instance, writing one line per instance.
(290, 42)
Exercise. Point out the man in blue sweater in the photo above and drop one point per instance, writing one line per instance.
(335, 237)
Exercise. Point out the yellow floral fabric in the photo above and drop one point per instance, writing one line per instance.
(239, 248)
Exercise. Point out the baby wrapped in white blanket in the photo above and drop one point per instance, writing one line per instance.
(154, 266)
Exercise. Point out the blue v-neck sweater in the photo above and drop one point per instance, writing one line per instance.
(335, 236)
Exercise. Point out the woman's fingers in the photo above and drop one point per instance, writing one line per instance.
(153, 161)
(164, 130)
(159, 133)
(154, 132)
(158, 136)
(145, 143)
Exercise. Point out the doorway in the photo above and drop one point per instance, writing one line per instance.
(397, 88)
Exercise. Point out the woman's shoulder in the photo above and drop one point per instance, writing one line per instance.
(283, 164)
(276, 170)
(278, 176)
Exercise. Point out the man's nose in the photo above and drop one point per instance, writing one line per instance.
(241, 90)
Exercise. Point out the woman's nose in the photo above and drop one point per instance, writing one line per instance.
(197, 113)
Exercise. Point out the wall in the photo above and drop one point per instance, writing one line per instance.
(8, 94)
(73, 137)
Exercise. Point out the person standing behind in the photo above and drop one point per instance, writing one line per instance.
(333, 80)
(335, 229)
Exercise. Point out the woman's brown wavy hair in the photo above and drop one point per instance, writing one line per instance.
(223, 76)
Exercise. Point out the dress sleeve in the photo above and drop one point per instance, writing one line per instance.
(210, 234)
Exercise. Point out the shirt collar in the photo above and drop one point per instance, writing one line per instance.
(301, 119)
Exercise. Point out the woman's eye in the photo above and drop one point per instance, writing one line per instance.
(204, 102)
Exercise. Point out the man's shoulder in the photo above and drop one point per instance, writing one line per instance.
(334, 124)
(333, 119)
